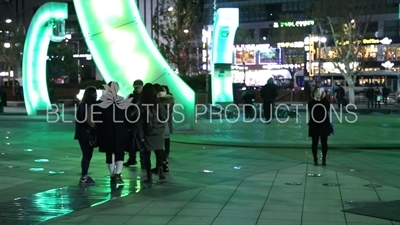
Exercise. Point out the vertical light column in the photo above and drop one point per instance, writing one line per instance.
(225, 24)
(124, 51)
(46, 25)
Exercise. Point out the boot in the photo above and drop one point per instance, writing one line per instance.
(166, 167)
(118, 179)
(148, 180)
(161, 173)
(315, 161)
(324, 161)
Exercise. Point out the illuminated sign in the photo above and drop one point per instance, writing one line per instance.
(388, 65)
(386, 41)
(371, 41)
(87, 56)
(296, 44)
(304, 23)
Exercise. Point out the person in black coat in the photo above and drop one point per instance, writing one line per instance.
(370, 98)
(269, 93)
(319, 126)
(113, 133)
(84, 127)
(138, 86)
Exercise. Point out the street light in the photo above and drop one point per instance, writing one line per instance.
(7, 45)
(8, 20)
(185, 31)
(170, 9)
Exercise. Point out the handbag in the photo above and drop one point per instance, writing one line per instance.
(92, 137)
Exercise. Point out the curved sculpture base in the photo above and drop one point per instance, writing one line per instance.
(39, 35)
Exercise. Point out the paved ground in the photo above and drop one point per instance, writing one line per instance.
(352, 130)
(207, 184)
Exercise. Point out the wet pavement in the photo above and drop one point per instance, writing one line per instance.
(40, 165)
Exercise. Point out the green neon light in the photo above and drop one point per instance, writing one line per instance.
(225, 24)
(123, 50)
(39, 35)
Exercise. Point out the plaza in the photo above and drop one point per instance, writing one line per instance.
(212, 180)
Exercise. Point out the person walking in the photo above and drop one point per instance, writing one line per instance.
(370, 98)
(340, 94)
(377, 98)
(113, 136)
(84, 129)
(132, 150)
(269, 93)
(385, 94)
(166, 101)
(151, 130)
(319, 125)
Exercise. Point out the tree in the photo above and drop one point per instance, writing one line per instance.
(177, 24)
(60, 61)
(347, 25)
(12, 41)
(289, 34)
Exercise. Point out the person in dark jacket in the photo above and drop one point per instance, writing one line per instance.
(151, 127)
(269, 93)
(168, 102)
(385, 94)
(84, 127)
(319, 126)
(370, 98)
(113, 135)
(377, 98)
(340, 94)
(248, 97)
(138, 86)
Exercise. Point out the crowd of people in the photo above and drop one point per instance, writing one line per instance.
(146, 129)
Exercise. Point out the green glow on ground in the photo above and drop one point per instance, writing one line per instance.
(35, 56)
(123, 50)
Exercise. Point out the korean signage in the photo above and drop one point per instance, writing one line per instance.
(304, 23)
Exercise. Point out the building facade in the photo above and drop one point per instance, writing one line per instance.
(262, 18)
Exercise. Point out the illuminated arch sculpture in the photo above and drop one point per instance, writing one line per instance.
(225, 24)
(47, 25)
(123, 51)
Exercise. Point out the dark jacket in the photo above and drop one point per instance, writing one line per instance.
(113, 129)
(168, 102)
(269, 92)
(135, 97)
(151, 126)
(370, 93)
(385, 92)
(248, 96)
(83, 122)
(340, 92)
(319, 124)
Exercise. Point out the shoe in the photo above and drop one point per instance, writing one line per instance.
(112, 179)
(130, 163)
(166, 167)
(324, 162)
(88, 181)
(315, 162)
(161, 173)
(118, 179)
(148, 180)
